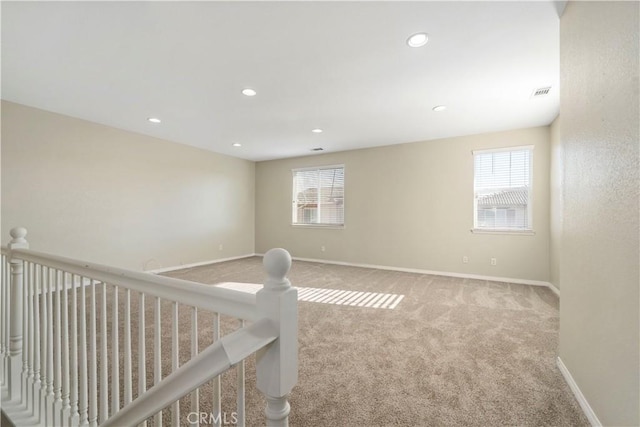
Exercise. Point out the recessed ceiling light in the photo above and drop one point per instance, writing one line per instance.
(418, 39)
(317, 130)
(249, 92)
(439, 108)
(154, 120)
(236, 144)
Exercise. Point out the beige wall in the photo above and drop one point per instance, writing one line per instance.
(599, 271)
(105, 195)
(410, 206)
(555, 203)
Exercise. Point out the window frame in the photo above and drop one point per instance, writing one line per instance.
(529, 230)
(294, 195)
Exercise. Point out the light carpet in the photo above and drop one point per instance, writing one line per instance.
(454, 352)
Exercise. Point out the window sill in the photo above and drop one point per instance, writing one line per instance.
(509, 232)
(323, 226)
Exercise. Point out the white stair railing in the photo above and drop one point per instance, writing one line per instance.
(68, 329)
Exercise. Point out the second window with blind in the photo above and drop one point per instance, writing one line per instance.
(318, 196)
(502, 189)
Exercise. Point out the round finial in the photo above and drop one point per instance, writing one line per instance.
(18, 233)
(277, 262)
(18, 241)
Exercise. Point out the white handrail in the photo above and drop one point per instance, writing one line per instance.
(211, 298)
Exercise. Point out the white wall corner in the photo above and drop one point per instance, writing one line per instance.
(560, 6)
(586, 408)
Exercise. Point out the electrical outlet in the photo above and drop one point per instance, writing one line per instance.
(465, 259)
(322, 248)
(220, 247)
(494, 261)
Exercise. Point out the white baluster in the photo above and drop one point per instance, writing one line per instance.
(44, 350)
(175, 351)
(26, 344)
(32, 341)
(16, 309)
(217, 401)
(74, 415)
(195, 398)
(66, 373)
(83, 374)
(8, 321)
(127, 378)
(57, 382)
(2, 311)
(240, 422)
(4, 321)
(37, 384)
(157, 353)
(277, 364)
(93, 362)
(50, 350)
(115, 355)
(104, 365)
(142, 352)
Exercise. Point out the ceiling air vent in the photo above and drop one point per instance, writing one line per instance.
(542, 91)
(317, 149)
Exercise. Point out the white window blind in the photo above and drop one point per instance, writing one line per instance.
(318, 196)
(502, 189)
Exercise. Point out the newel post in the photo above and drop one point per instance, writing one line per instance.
(277, 364)
(18, 241)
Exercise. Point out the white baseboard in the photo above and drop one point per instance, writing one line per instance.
(586, 408)
(197, 264)
(377, 267)
(553, 288)
(435, 273)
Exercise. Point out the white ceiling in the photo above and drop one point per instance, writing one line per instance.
(340, 66)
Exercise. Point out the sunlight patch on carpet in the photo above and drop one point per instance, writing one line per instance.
(329, 296)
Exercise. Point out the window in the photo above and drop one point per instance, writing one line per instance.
(502, 189)
(318, 196)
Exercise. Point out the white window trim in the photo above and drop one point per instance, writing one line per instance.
(324, 226)
(313, 168)
(501, 149)
(503, 231)
(525, 232)
(293, 195)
